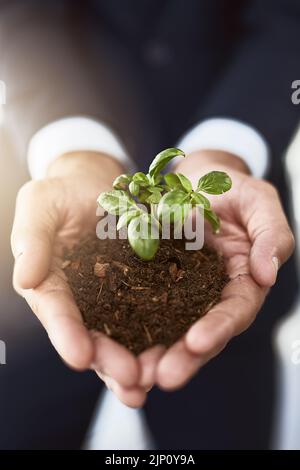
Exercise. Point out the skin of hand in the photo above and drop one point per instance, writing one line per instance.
(56, 212)
(255, 240)
(53, 213)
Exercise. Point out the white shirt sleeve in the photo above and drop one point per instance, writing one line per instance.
(83, 133)
(230, 136)
(73, 134)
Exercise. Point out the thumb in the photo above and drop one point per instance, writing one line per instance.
(271, 237)
(33, 232)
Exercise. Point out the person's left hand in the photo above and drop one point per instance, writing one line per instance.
(255, 240)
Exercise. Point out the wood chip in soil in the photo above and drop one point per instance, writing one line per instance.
(141, 304)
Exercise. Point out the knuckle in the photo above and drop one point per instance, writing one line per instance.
(292, 242)
(270, 188)
(289, 241)
(263, 187)
(29, 189)
(14, 238)
(16, 286)
(25, 188)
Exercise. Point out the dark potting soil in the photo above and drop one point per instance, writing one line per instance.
(141, 303)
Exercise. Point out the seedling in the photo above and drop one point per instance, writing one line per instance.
(165, 196)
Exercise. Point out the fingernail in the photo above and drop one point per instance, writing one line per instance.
(276, 264)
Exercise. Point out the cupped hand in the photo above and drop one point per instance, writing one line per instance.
(51, 214)
(255, 240)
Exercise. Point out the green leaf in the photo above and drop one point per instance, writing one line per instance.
(215, 182)
(122, 182)
(161, 160)
(141, 179)
(127, 217)
(185, 182)
(134, 188)
(143, 196)
(178, 181)
(213, 219)
(154, 189)
(154, 198)
(197, 198)
(174, 206)
(143, 240)
(115, 202)
(152, 195)
(156, 180)
(172, 180)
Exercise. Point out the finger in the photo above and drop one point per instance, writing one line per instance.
(177, 366)
(114, 360)
(133, 397)
(58, 313)
(271, 237)
(33, 232)
(148, 361)
(241, 300)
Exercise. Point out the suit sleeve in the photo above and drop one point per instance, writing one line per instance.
(256, 87)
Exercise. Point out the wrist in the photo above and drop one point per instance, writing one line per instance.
(85, 163)
(210, 160)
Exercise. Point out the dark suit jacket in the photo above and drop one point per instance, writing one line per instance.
(149, 69)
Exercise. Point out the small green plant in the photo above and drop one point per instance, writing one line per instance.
(170, 196)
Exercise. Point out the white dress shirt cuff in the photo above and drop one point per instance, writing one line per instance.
(230, 136)
(69, 135)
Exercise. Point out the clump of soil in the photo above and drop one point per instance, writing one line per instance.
(139, 303)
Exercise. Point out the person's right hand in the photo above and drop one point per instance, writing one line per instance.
(53, 213)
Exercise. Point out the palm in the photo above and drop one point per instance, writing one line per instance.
(241, 298)
(75, 213)
(78, 219)
(57, 212)
(67, 214)
(232, 242)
